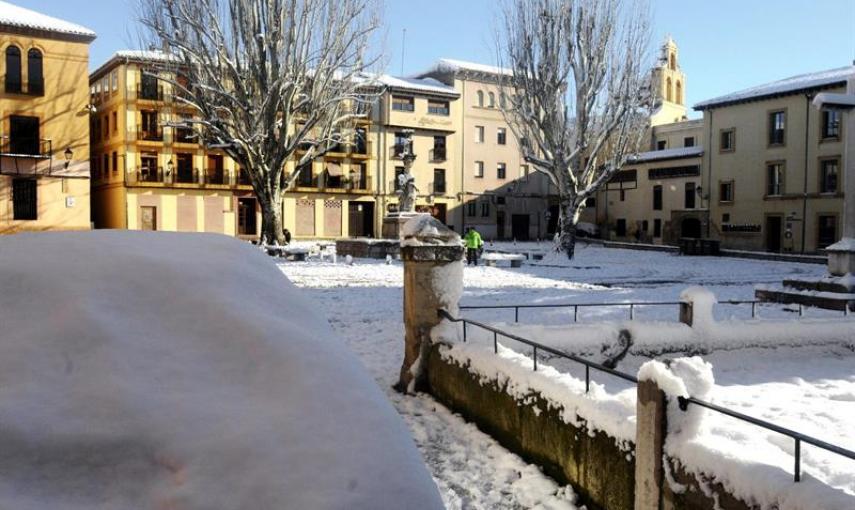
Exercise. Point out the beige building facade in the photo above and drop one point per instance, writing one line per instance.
(502, 196)
(775, 165)
(427, 112)
(149, 173)
(44, 123)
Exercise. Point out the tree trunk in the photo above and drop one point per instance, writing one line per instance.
(271, 221)
(567, 236)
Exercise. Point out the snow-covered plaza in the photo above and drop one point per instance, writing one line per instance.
(809, 388)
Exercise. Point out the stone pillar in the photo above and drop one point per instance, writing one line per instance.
(433, 279)
(651, 429)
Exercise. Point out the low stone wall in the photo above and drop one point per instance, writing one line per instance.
(692, 496)
(368, 248)
(600, 472)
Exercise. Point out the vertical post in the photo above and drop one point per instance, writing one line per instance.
(753, 309)
(587, 378)
(801, 310)
(797, 472)
(534, 357)
(650, 433)
(516, 314)
(495, 343)
(576, 313)
(631, 312)
(433, 279)
(686, 312)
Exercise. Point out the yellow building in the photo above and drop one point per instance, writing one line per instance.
(426, 110)
(44, 121)
(669, 84)
(502, 197)
(151, 174)
(775, 164)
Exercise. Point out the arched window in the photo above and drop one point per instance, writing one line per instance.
(492, 100)
(668, 93)
(35, 74)
(481, 98)
(13, 69)
(673, 62)
(678, 96)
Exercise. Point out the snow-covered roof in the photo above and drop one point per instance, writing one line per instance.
(787, 86)
(449, 64)
(678, 153)
(156, 56)
(13, 16)
(428, 85)
(154, 369)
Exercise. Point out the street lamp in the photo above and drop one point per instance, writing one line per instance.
(68, 155)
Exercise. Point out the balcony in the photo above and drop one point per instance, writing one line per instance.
(147, 175)
(397, 151)
(342, 184)
(150, 93)
(185, 178)
(150, 134)
(437, 154)
(184, 135)
(359, 150)
(25, 148)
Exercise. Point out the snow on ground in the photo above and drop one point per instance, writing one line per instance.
(817, 397)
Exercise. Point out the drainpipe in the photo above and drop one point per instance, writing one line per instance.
(462, 158)
(808, 98)
(709, 177)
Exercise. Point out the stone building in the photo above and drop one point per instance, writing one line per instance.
(660, 195)
(502, 197)
(427, 112)
(151, 174)
(775, 165)
(44, 121)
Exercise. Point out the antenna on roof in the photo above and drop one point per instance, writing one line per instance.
(403, 49)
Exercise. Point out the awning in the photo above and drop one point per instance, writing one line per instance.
(334, 169)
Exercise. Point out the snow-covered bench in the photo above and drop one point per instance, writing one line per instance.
(290, 252)
(492, 259)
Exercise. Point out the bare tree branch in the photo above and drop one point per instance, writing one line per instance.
(269, 81)
(576, 92)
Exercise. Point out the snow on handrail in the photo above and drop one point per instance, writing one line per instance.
(683, 402)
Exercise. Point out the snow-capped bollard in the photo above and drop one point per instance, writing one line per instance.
(696, 307)
(660, 417)
(433, 279)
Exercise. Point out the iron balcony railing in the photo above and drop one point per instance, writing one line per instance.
(25, 147)
(683, 403)
(398, 150)
(150, 134)
(150, 92)
(631, 307)
(437, 154)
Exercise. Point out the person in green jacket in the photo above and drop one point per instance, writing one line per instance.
(473, 243)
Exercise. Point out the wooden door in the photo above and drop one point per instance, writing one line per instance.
(148, 218)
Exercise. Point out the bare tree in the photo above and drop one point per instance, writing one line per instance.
(575, 92)
(269, 81)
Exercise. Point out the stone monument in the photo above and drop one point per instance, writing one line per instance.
(406, 191)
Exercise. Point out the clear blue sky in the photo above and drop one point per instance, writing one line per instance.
(725, 45)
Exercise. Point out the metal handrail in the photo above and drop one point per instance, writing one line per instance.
(683, 402)
(632, 305)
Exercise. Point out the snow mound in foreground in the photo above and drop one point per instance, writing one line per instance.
(183, 371)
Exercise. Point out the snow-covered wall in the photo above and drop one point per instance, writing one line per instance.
(183, 371)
